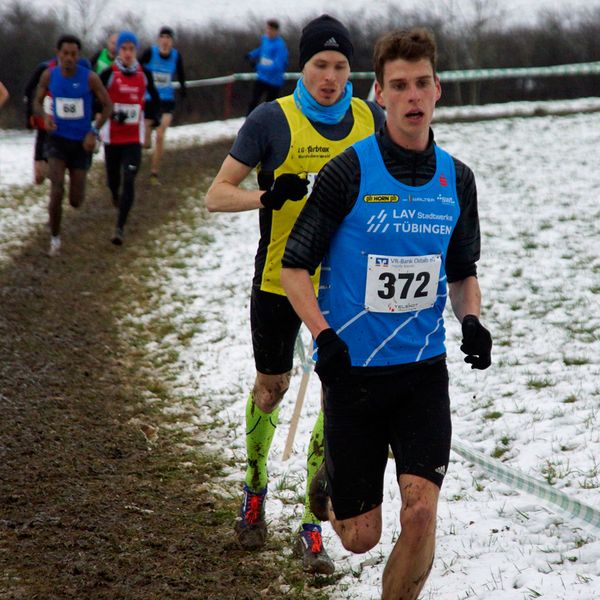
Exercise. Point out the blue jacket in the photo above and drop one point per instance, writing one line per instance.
(271, 59)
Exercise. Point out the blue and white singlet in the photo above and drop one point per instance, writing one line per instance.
(383, 281)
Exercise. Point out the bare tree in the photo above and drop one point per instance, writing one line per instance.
(84, 16)
(468, 25)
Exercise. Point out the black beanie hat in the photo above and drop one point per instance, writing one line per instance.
(166, 31)
(324, 33)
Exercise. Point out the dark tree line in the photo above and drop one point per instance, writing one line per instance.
(483, 40)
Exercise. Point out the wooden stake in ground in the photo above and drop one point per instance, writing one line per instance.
(307, 368)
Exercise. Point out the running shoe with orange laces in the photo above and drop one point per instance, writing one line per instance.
(309, 547)
(251, 527)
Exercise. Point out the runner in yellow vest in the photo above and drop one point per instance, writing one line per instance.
(288, 140)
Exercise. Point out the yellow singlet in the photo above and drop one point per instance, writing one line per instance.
(308, 153)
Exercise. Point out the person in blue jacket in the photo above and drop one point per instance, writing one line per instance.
(270, 60)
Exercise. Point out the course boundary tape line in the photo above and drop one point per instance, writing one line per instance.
(516, 479)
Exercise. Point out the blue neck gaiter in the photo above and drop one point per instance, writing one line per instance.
(317, 112)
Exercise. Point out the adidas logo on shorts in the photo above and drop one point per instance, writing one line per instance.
(331, 43)
(441, 470)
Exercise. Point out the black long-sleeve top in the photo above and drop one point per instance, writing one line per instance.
(336, 191)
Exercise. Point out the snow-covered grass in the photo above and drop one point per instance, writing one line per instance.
(536, 408)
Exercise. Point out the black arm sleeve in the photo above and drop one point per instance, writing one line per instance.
(105, 79)
(332, 198)
(151, 88)
(465, 243)
(146, 56)
(30, 89)
(152, 107)
(105, 76)
(181, 76)
(94, 59)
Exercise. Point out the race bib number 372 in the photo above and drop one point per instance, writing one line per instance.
(401, 283)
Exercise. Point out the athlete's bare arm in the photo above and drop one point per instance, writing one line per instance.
(101, 93)
(38, 101)
(224, 194)
(4, 95)
(300, 291)
(465, 297)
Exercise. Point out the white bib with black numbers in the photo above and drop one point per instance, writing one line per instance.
(401, 283)
(132, 112)
(70, 108)
(161, 79)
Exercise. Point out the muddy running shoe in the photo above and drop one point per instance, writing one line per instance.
(309, 547)
(318, 495)
(251, 527)
(154, 179)
(117, 238)
(54, 249)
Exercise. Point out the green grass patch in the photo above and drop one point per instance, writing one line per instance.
(492, 415)
(575, 361)
(534, 383)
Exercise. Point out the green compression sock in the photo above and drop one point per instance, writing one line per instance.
(316, 454)
(260, 428)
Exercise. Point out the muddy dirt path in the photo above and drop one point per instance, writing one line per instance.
(94, 499)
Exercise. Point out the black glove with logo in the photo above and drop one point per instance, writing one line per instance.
(288, 186)
(476, 343)
(333, 358)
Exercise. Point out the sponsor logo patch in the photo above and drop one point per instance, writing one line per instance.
(381, 198)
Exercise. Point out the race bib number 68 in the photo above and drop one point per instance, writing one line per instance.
(401, 283)
(70, 108)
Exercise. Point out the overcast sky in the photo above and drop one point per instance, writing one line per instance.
(155, 13)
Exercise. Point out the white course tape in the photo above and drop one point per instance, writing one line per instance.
(521, 481)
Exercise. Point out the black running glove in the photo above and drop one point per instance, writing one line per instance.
(476, 343)
(333, 358)
(288, 186)
(120, 116)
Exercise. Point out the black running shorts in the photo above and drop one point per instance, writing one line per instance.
(275, 326)
(39, 152)
(71, 151)
(167, 107)
(407, 410)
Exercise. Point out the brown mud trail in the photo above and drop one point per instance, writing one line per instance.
(93, 503)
